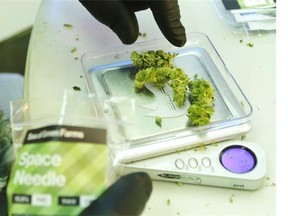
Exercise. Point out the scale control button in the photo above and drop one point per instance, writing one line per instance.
(179, 163)
(193, 163)
(206, 162)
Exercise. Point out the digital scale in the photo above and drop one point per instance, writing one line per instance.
(231, 164)
(168, 152)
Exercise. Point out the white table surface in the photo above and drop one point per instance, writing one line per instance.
(53, 68)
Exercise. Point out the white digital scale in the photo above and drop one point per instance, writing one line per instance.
(168, 152)
(230, 164)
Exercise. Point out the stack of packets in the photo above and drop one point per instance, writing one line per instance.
(253, 14)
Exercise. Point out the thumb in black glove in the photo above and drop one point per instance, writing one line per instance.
(119, 15)
(127, 196)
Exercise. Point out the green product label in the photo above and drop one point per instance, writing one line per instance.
(59, 170)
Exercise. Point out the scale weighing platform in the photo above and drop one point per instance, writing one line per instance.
(168, 152)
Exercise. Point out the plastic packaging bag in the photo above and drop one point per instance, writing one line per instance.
(63, 152)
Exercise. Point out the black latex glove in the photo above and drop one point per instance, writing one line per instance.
(120, 16)
(3, 202)
(127, 196)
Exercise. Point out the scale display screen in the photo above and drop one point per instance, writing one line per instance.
(238, 159)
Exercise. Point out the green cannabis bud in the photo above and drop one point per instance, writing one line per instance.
(156, 68)
(158, 121)
(152, 59)
(202, 98)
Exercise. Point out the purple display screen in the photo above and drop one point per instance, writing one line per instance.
(238, 159)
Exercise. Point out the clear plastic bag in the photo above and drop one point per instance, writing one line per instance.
(72, 109)
(65, 151)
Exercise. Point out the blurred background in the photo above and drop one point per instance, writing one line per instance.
(16, 21)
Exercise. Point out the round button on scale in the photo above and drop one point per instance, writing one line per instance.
(206, 162)
(179, 163)
(193, 163)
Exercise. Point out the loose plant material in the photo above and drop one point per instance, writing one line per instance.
(202, 96)
(67, 25)
(158, 121)
(250, 44)
(231, 199)
(73, 50)
(76, 88)
(156, 68)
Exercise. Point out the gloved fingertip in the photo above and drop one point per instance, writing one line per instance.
(179, 42)
(175, 35)
(167, 15)
(127, 38)
(127, 30)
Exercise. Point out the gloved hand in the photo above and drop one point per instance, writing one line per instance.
(120, 16)
(127, 196)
